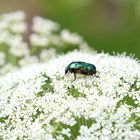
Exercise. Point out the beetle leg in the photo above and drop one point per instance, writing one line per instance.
(74, 77)
(96, 76)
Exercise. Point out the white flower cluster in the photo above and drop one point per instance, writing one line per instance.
(42, 28)
(45, 41)
(13, 21)
(47, 34)
(39, 102)
(12, 46)
(12, 26)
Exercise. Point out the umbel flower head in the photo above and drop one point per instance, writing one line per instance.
(39, 102)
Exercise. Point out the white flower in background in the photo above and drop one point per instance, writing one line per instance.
(12, 28)
(4, 35)
(40, 102)
(3, 24)
(47, 34)
(17, 46)
(46, 40)
(13, 22)
(14, 16)
(71, 38)
(39, 40)
(44, 26)
(18, 27)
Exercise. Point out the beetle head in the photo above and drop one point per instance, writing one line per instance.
(66, 70)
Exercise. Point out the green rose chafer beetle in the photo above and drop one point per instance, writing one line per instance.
(79, 67)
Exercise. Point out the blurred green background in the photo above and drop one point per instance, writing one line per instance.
(107, 25)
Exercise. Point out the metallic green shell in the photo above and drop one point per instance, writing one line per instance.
(82, 65)
(79, 67)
